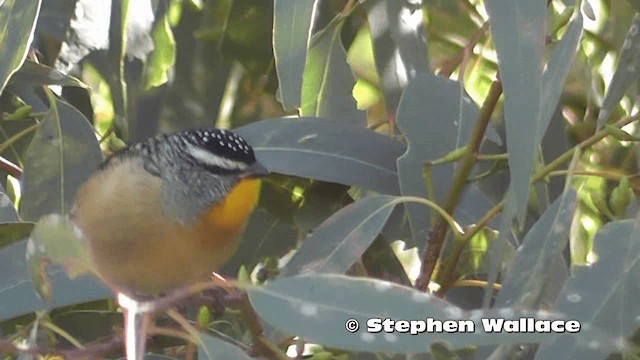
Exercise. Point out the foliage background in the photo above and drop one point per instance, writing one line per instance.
(448, 147)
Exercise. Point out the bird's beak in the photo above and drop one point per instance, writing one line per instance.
(257, 170)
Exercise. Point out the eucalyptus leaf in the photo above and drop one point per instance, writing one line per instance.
(326, 150)
(292, 23)
(61, 157)
(518, 29)
(17, 24)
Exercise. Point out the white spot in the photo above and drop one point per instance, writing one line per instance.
(31, 249)
(309, 309)
(476, 314)
(506, 312)
(367, 337)
(558, 228)
(382, 286)
(420, 297)
(543, 314)
(392, 338)
(453, 312)
(574, 298)
(221, 143)
(77, 232)
(4, 201)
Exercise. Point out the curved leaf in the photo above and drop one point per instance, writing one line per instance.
(317, 307)
(17, 23)
(340, 241)
(326, 150)
(626, 71)
(35, 74)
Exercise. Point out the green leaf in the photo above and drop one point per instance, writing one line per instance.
(626, 72)
(328, 81)
(18, 20)
(518, 28)
(163, 57)
(326, 150)
(342, 239)
(35, 74)
(55, 240)
(603, 294)
(635, 4)
(62, 155)
(528, 278)
(399, 43)
(317, 308)
(292, 20)
(12, 232)
(213, 348)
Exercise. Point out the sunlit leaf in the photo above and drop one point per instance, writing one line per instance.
(399, 43)
(292, 20)
(17, 23)
(328, 81)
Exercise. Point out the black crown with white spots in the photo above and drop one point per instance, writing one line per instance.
(217, 149)
(220, 142)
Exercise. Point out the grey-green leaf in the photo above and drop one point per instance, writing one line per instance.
(436, 117)
(518, 28)
(17, 295)
(318, 308)
(626, 72)
(326, 150)
(399, 45)
(342, 239)
(528, 278)
(557, 71)
(17, 24)
(213, 348)
(603, 295)
(292, 23)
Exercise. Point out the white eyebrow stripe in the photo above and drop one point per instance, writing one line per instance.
(215, 160)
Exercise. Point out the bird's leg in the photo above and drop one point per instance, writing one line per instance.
(138, 316)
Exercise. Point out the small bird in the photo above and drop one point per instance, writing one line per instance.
(165, 213)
